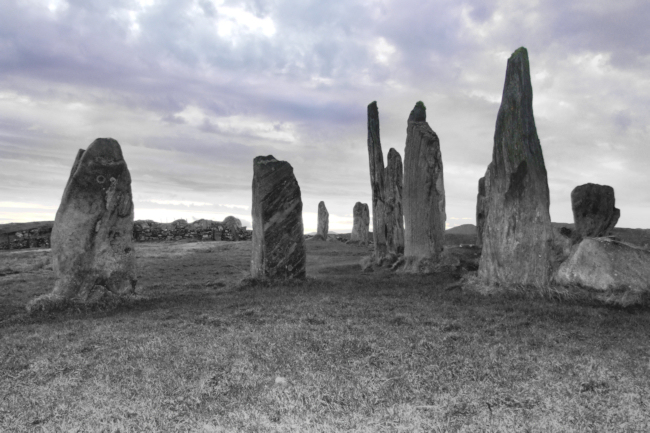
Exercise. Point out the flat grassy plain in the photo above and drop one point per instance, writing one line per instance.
(201, 348)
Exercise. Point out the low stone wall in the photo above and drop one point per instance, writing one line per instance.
(202, 230)
(37, 237)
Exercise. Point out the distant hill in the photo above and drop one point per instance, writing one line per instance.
(464, 229)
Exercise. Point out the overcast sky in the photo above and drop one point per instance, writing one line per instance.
(193, 90)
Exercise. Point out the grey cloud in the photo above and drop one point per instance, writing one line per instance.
(170, 118)
(622, 120)
(208, 8)
(87, 54)
(208, 126)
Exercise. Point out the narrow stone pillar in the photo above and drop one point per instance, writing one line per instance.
(394, 214)
(361, 221)
(481, 211)
(278, 235)
(323, 221)
(424, 189)
(376, 158)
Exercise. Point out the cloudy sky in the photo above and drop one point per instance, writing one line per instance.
(194, 89)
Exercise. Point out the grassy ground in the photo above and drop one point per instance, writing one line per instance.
(199, 350)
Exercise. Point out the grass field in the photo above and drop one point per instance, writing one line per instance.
(203, 349)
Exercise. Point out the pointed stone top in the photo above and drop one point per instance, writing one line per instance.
(515, 118)
(392, 153)
(419, 113)
(520, 52)
(518, 75)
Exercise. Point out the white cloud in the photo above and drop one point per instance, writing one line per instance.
(384, 51)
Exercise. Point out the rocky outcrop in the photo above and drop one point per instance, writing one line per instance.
(424, 189)
(278, 238)
(481, 211)
(517, 235)
(377, 182)
(393, 177)
(618, 269)
(92, 250)
(593, 208)
(323, 222)
(230, 229)
(360, 224)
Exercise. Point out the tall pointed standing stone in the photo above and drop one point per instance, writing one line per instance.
(481, 211)
(278, 238)
(92, 237)
(517, 237)
(323, 221)
(394, 213)
(424, 188)
(360, 224)
(377, 182)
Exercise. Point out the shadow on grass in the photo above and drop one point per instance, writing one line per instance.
(442, 288)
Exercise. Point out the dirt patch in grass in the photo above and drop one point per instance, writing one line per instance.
(203, 349)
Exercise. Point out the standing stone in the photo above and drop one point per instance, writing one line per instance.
(394, 213)
(360, 223)
(323, 221)
(278, 238)
(593, 208)
(481, 211)
(424, 188)
(517, 237)
(376, 158)
(92, 245)
(233, 225)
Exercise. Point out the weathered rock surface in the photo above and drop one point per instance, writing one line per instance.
(593, 208)
(481, 211)
(517, 235)
(361, 223)
(323, 222)
(278, 234)
(393, 177)
(92, 248)
(377, 182)
(607, 265)
(424, 189)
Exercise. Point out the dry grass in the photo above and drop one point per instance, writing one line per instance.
(203, 349)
